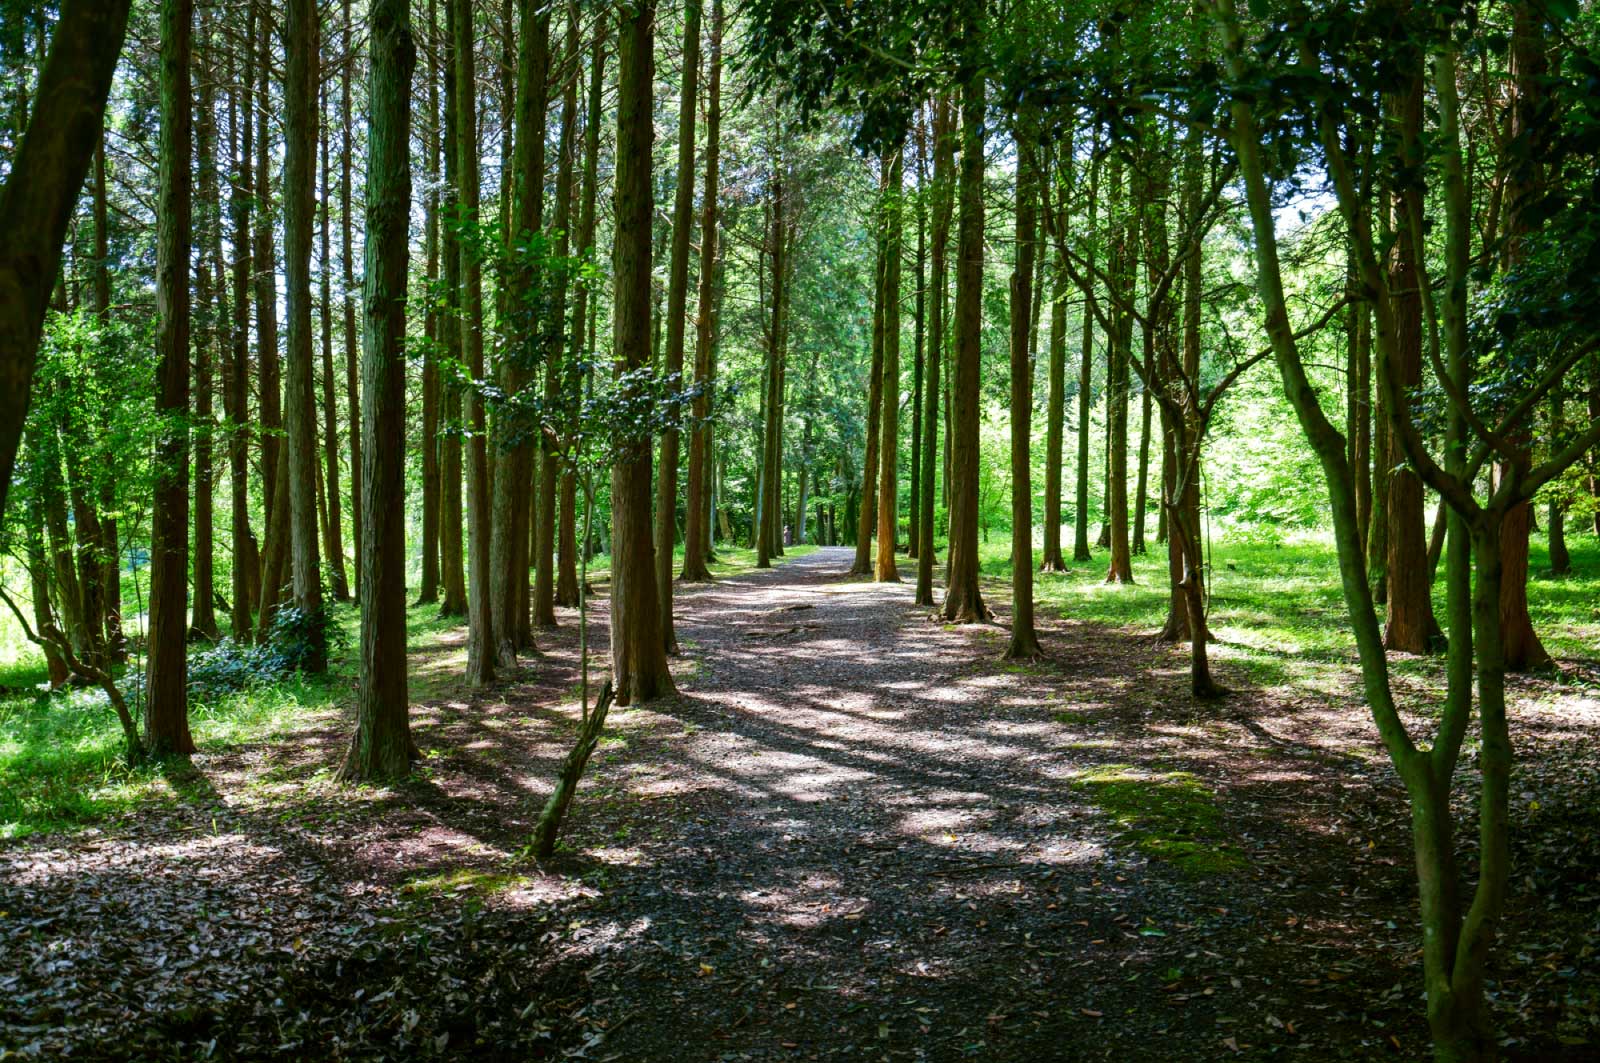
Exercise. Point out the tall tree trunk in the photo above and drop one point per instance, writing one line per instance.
(516, 461)
(1080, 519)
(208, 294)
(889, 422)
(41, 191)
(697, 524)
(236, 393)
(677, 307)
(514, 445)
(480, 598)
(561, 386)
(1411, 625)
(567, 590)
(1124, 239)
(1055, 223)
(1024, 641)
(352, 373)
(431, 327)
(918, 368)
(769, 530)
(382, 747)
(639, 662)
(1529, 68)
(1142, 484)
(300, 426)
(963, 601)
(110, 577)
(268, 367)
(334, 537)
(451, 514)
(166, 723)
(868, 515)
(943, 167)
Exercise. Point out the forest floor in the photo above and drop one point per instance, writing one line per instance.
(856, 834)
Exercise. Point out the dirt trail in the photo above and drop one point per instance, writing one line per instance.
(857, 834)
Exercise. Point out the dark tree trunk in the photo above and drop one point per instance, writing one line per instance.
(943, 167)
(1024, 641)
(382, 747)
(166, 724)
(333, 538)
(697, 525)
(867, 516)
(352, 373)
(41, 191)
(208, 294)
(299, 394)
(431, 327)
(963, 601)
(639, 661)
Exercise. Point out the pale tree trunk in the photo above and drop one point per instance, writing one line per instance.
(480, 616)
(885, 570)
(963, 601)
(639, 661)
(677, 306)
(382, 748)
(166, 722)
(697, 524)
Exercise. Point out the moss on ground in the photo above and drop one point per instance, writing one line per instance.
(1168, 816)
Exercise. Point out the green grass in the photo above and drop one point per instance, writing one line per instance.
(1277, 610)
(1168, 816)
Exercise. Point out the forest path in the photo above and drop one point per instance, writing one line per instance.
(881, 843)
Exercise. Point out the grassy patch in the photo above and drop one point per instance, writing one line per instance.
(1278, 613)
(1168, 816)
(463, 880)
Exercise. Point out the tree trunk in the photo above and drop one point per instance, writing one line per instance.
(166, 724)
(382, 747)
(885, 571)
(963, 602)
(451, 514)
(428, 593)
(236, 392)
(697, 524)
(334, 536)
(868, 514)
(41, 192)
(1142, 487)
(1080, 520)
(567, 589)
(677, 305)
(1055, 223)
(268, 368)
(208, 294)
(943, 165)
(918, 368)
(300, 425)
(352, 373)
(1024, 641)
(639, 660)
(1124, 241)
(480, 599)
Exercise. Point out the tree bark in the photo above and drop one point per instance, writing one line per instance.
(333, 538)
(639, 660)
(943, 165)
(697, 525)
(382, 747)
(166, 724)
(1080, 520)
(236, 393)
(885, 570)
(868, 515)
(963, 601)
(677, 305)
(1024, 641)
(1055, 223)
(41, 191)
(352, 373)
(300, 425)
(451, 514)
(432, 483)
(208, 294)
(269, 399)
